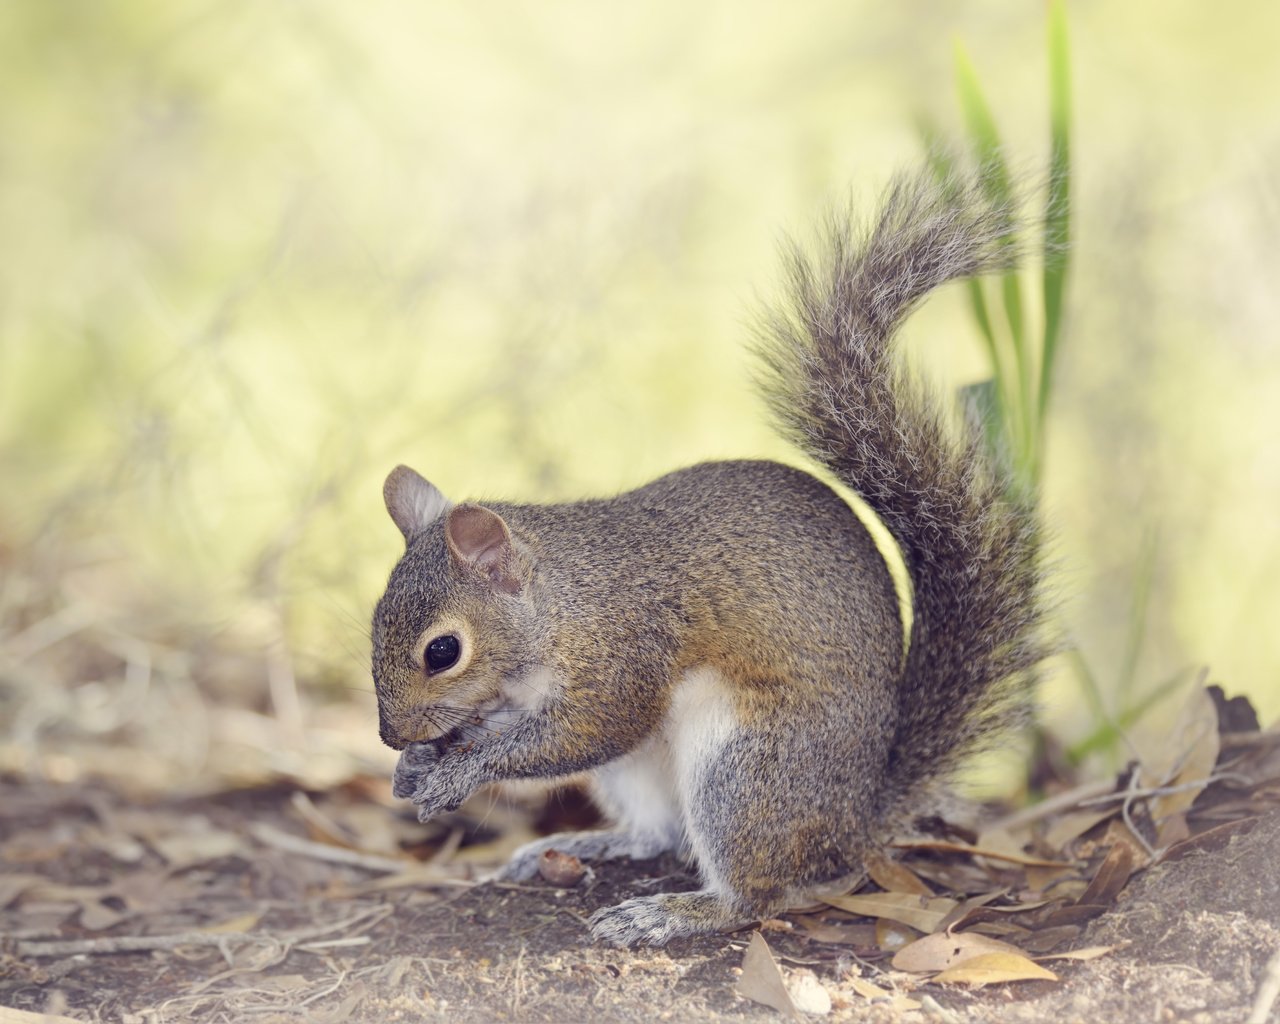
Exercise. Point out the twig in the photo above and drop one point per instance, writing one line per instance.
(317, 819)
(132, 943)
(1129, 798)
(290, 843)
(148, 943)
(1075, 797)
(1268, 991)
(355, 940)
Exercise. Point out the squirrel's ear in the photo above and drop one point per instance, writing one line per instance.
(414, 502)
(479, 539)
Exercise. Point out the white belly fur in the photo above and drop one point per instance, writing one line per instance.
(647, 791)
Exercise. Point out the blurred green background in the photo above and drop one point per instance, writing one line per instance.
(257, 253)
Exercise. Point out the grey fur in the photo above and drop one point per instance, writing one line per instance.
(721, 649)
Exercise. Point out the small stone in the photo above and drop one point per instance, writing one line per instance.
(807, 993)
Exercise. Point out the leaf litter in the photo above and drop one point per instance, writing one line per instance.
(321, 901)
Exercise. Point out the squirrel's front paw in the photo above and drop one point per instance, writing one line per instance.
(417, 761)
(435, 783)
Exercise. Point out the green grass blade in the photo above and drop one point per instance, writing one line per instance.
(982, 127)
(1109, 734)
(1093, 694)
(985, 139)
(1057, 221)
(1143, 575)
(943, 166)
(978, 302)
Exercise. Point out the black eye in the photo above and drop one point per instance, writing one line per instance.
(442, 652)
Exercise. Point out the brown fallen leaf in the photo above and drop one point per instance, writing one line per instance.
(8, 1015)
(1076, 914)
(995, 968)
(941, 951)
(944, 846)
(1088, 953)
(964, 908)
(239, 923)
(1112, 875)
(1045, 940)
(875, 994)
(860, 935)
(893, 876)
(762, 980)
(892, 935)
(1184, 759)
(1072, 826)
(1041, 879)
(979, 913)
(1211, 840)
(919, 912)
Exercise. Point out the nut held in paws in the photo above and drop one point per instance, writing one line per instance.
(562, 869)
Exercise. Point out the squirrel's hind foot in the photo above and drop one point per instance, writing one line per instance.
(656, 920)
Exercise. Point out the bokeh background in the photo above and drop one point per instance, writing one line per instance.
(256, 253)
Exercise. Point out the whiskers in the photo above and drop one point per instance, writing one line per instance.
(449, 720)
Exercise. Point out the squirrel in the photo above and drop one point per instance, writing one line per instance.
(722, 650)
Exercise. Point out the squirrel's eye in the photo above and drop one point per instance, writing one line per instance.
(442, 652)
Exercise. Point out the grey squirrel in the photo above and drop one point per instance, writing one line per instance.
(722, 649)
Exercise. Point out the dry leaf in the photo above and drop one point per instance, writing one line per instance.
(941, 951)
(921, 913)
(1088, 953)
(1172, 829)
(239, 923)
(9, 1015)
(183, 849)
(995, 968)
(762, 980)
(977, 913)
(861, 935)
(1209, 841)
(1186, 756)
(1078, 913)
(1072, 826)
(1041, 879)
(891, 935)
(893, 876)
(1044, 940)
(1112, 875)
(875, 994)
(13, 886)
(963, 910)
(1118, 831)
(998, 929)
(952, 875)
(945, 846)
(97, 916)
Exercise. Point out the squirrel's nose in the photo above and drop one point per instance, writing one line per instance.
(393, 737)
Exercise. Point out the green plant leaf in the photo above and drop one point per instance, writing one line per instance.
(1107, 735)
(1057, 220)
(981, 401)
(985, 141)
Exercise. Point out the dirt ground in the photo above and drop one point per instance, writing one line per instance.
(235, 925)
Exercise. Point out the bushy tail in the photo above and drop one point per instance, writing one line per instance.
(971, 548)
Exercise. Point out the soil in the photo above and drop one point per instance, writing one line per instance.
(307, 940)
